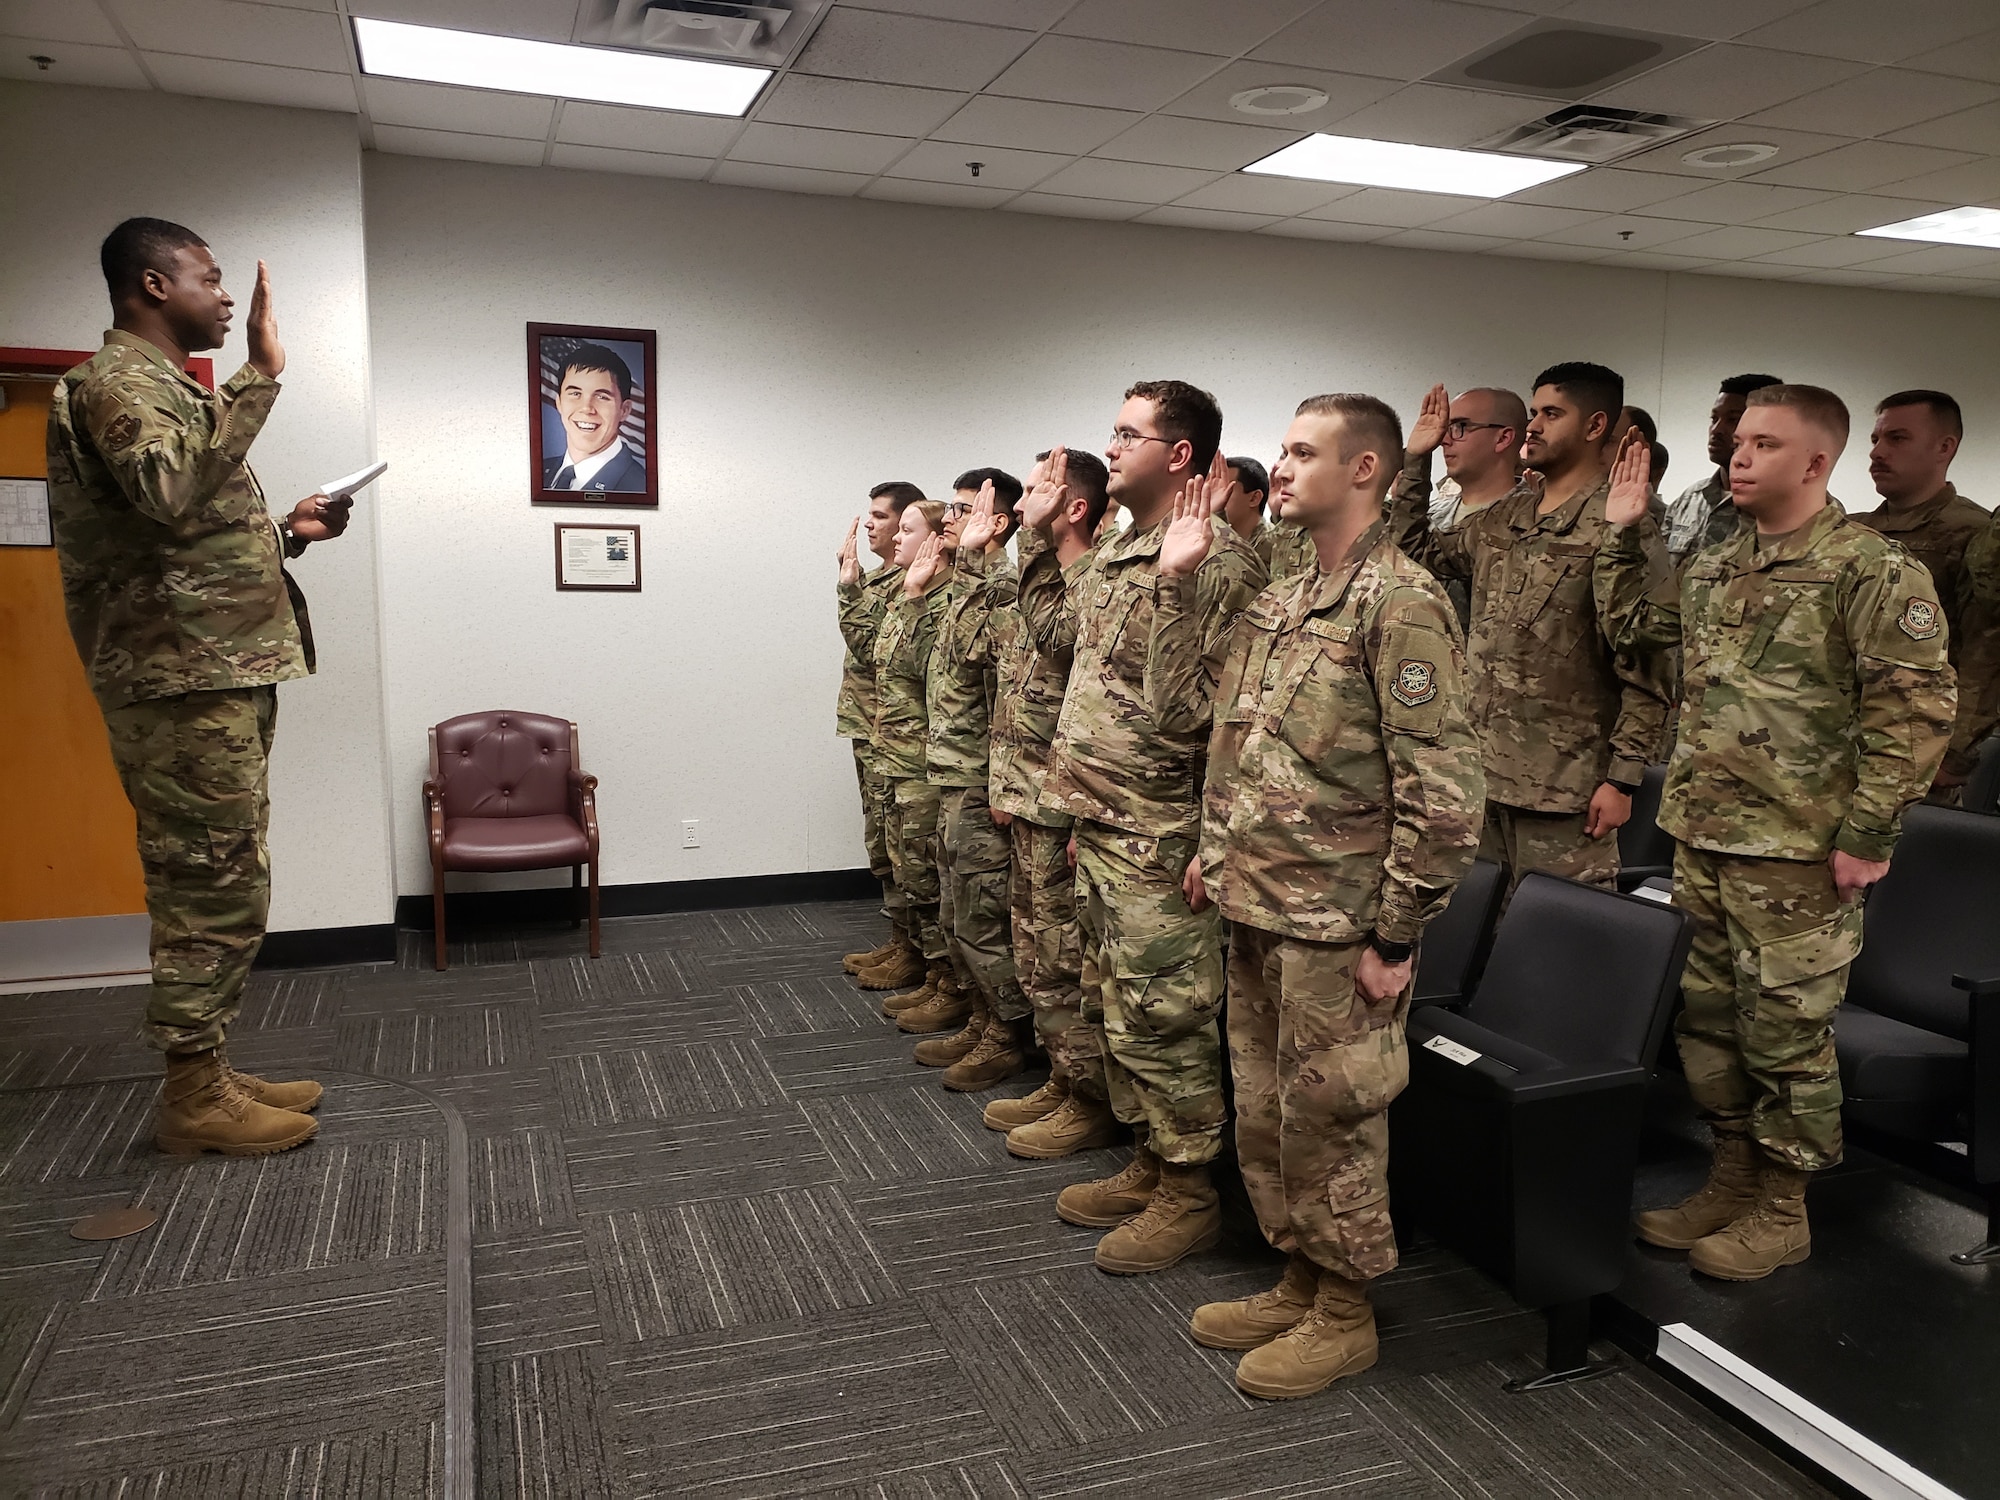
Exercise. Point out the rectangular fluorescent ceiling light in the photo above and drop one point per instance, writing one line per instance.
(516, 65)
(1955, 226)
(1421, 169)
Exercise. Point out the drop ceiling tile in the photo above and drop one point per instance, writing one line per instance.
(75, 62)
(631, 163)
(1264, 195)
(1204, 218)
(1976, 57)
(238, 31)
(1432, 239)
(256, 83)
(909, 49)
(1838, 250)
(391, 101)
(1027, 126)
(1738, 243)
(1029, 15)
(1727, 81)
(1345, 92)
(1514, 221)
(1174, 141)
(1968, 130)
(942, 161)
(1943, 260)
(941, 194)
(1627, 232)
(1126, 182)
(1863, 165)
(1871, 31)
(645, 129)
(1405, 40)
(57, 21)
(406, 140)
(1073, 208)
(1077, 70)
(828, 150)
(1190, 25)
(1793, 145)
(1327, 229)
(1389, 206)
(848, 104)
(1879, 102)
(530, 18)
(1430, 114)
(756, 174)
(1849, 212)
(1715, 20)
(1973, 182)
(1606, 189)
(1736, 202)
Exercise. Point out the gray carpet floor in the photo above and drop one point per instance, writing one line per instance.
(729, 1241)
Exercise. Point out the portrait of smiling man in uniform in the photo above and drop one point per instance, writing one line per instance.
(592, 428)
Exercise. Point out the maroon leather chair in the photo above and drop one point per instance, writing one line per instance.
(505, 793)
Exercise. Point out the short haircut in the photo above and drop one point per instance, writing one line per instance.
(1743, 385)
(1252, 475)
(1643, 420)
(1184, 413)
(1942, 407)
(141, 245)
(598, 358)
(900, 494)
(1660, 456)
(1594, 388)
(1367, 424)
(1509, 410)
(932, 511)
(1089, 478)
(1006, 488)
(1815, 403)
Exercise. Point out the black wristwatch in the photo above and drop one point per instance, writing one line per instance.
(1388, 952)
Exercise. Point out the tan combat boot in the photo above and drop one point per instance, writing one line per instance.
(1005, 1114)
(1109, 1200)
(894, 1005)
(946, 1008)
(997, 1058)
(1729, 1193)
(1183, 1216)
(854, 963)
(898, 971)
(1077, 1124)
(202, 1110)
(1774, 1233)
(1254, 1321)
(1336, 1338)
(301, 1096)
(943, 1051)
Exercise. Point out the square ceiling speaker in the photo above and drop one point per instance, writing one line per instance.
(1564, 60)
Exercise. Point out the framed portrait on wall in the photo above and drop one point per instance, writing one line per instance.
(591, 415)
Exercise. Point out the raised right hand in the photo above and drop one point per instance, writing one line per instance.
(1042, 504)
(1189, 533)
(929, 563)
(1631, 481)
(267, 355)
(850, 554)
(1428, 430)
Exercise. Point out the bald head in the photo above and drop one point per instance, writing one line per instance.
(1494, 422)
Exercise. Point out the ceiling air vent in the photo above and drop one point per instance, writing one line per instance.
(766, 33)
(1593, 133)
(1564, 60)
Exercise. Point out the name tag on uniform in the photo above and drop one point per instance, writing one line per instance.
(1457, 1052)
(1328, 630)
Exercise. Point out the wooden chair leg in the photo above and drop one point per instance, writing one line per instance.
(596, 949)
(437, 914)
(576, 902)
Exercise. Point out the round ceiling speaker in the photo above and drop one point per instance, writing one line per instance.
(1278, 99)
(1741, 154)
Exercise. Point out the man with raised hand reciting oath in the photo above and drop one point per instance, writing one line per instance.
(1129, 780)
(1481, 437)
(175, 586)
(1566, 723)
(1815, 706)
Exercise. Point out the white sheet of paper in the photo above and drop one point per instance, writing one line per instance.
(340, 489)
(24, 513)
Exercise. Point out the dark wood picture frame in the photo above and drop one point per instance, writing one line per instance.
(643, 422)
(638, 578)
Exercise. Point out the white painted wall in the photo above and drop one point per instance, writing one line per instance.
(284, 185)
(810, 347)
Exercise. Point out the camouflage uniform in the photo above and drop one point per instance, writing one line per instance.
(1936, 533)
(174, 584)
(1816, 707)
(862, 606)
(1976, 588)
(977, 854)
(902, 655)
(1344, 796)
(1287, 551)
(1702, 515)
(1152, 968)
(1557, 710)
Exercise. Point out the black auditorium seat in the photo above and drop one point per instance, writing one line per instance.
(1645, 850)
(1982, 788)
(1455, 943)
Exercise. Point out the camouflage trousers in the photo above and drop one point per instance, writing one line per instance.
(910, 829)
(196, 769)
(1152, 985)
(1772, 946)
(1042, 894)
(977, 857)
(873, 832)
(1316, 1067)
(1554, 843)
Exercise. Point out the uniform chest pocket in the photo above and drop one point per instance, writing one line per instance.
(1242, 679)
(1323, 693)
(1121, 622)
(1792, 633)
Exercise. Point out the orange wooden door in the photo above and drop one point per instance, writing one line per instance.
(68, 846)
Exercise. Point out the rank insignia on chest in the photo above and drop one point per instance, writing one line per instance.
(1919, 620)
(1415, 684)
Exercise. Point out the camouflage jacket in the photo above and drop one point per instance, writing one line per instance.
(1114, 760)
(1287, 550)
(172, 568)
(1935, 534)
(1700, 516)
(965, 673)
(1558, 712)
(1976, 590)
(1038, 644)
(1344, 788)
(903, 652)
(862, 606)
(1816, 700)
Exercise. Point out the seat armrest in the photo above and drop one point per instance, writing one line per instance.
(434, 815)
(583, 806)
(1978, 989)
(1982, 994)
(1580, 1078)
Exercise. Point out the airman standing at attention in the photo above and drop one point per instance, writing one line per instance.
(863, 600)
(1481, 438)
(1815, 708)
(1704, 514)
(175, 586)
(1343, 805)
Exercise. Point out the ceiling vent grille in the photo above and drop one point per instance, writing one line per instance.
(766, 32)
(1593, 133)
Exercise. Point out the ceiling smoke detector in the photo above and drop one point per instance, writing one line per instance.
(1739, 154)
(1279, 99)
(1564, 60)
(1591, 133)
(766, 32)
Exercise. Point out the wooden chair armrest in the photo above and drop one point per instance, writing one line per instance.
(434, 813)
(583, 790)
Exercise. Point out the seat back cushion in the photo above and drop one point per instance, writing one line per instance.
(1453, 941)
(1935, 914)
(1641, 841)
(504, 764)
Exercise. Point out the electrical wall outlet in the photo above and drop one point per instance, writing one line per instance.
(691, 833)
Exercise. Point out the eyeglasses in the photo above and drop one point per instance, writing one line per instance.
(1124, 437)
(956, 508)
(1457, 428)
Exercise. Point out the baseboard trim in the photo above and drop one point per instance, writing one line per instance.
(650, 899)
(324, 947)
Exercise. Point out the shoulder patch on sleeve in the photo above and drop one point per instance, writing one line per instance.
(1919, 619)
(120, 431)
(1415, 682)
